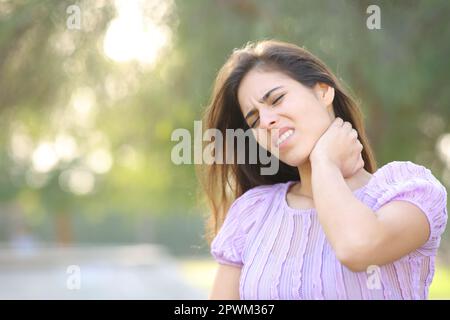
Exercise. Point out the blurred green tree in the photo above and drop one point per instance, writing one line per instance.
(87, 128)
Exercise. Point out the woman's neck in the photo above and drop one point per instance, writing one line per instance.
(358, 180)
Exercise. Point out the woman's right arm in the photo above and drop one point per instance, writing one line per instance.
(226, 283)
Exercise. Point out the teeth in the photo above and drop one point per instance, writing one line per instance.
(284, 136)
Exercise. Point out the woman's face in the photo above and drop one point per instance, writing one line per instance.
(292, 118)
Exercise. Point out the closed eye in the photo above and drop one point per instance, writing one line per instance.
(254, 122)
(278, 99)
(273, 103)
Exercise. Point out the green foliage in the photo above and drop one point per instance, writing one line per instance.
(399, 73)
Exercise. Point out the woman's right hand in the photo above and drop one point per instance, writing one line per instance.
(339, 146)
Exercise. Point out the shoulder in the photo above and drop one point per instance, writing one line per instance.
(404, 169)
(245, 210)
(228, 245)
(405, 174)
(247, 206)
(259, 194)
(405, 177)
(414, 183)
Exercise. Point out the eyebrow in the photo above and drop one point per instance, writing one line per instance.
(263, 99)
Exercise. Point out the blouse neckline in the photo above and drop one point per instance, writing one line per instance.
(289, 209)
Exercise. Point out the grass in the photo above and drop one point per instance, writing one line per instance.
(440, 287)
(200, 273)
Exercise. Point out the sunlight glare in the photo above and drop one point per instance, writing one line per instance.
(132, 36)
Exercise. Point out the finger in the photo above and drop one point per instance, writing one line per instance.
(361, 161)
(354, 134)
(360, 145)
(338, 122)
(347, 125)
(359, 164)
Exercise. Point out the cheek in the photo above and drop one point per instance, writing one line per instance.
(300, 153)
(263, 138)
(305, 144)
(321, 126)
(314, 122)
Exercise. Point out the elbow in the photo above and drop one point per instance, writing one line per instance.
(354, 264)
(356, 257)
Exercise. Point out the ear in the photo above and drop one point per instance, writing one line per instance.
(324, 93)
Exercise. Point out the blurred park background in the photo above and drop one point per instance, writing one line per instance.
(90, 92)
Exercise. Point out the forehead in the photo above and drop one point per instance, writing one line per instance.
(257, 82)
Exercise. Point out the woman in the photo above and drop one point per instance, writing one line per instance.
(328, 224)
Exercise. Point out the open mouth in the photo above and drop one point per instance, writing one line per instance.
(284, 137)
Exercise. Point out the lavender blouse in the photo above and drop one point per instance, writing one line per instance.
(284, 253)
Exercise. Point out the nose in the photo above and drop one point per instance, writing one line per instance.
(267, 118)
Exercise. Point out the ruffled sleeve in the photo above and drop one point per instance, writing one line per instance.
(407, 181)
(228, 245)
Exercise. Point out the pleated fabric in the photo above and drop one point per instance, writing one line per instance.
(284, 253)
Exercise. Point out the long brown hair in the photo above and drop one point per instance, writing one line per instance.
(223, 183)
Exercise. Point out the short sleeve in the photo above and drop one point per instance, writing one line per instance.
(407, 181)
(228, 245)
